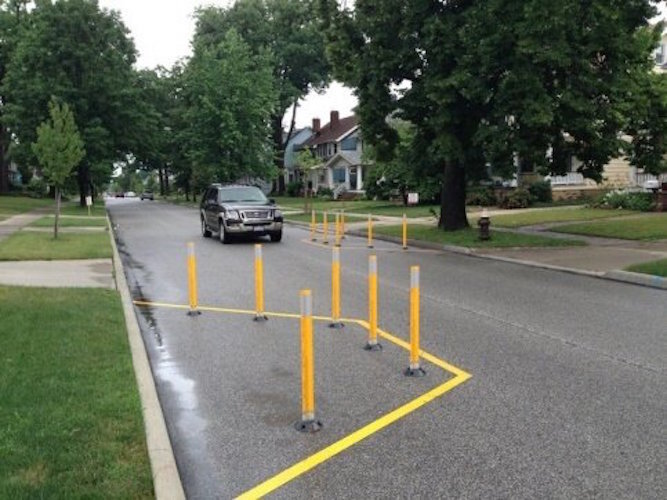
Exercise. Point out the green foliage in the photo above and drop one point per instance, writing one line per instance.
(541, 191)
(495, 79)
(639, 201)
(59, 147)
(82, 54)
(481, 196)
(294, 188)
(37, 188)
(325, 193)
(231, 98)
(516, 198)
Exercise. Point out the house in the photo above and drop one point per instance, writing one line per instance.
(338, 148)
(292, 146)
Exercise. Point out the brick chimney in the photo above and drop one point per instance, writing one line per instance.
(333, 121)
(316, 125)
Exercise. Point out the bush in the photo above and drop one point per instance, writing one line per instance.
(517, 198)
(37, 188)
(294, 188)
(541, 191)
(484, 197)
(324, 192)
(638, 201)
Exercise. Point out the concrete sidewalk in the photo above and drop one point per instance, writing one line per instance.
(96, 273)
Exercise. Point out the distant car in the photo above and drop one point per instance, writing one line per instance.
(235, 210)
(120, 195)
(147, 195)
(130, 194)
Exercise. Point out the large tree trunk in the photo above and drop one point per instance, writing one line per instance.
(453, 199)
(57, 217)
(159, 173)
(166, 181)
(279, 156)
(83, 178)
(4, 162)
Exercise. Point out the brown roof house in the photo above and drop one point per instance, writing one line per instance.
(338, 147)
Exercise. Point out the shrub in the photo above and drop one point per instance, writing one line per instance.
(294, 188)
(639, 201)
(324, 192)
(518, 198)
(37, 188)
(541, 191)
(484, 197)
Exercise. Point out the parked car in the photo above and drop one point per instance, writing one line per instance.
(147, 195)
(130, 194)
(120, 195)
(234, 210)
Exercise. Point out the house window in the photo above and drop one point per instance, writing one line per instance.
(349, 144)
(322, 180)
(339, 175)
(659, 54)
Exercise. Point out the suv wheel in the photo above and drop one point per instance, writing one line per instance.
(277, 236)
(225, 237)
(205, 232)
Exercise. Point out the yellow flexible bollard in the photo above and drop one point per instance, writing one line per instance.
(325, 228)
(192, 281)
(337, 228)
(308, 422)
(405, 232)
(335, 289)
(313, 225)
(259, 285)
(415, 369)
(372, 344)
(370, 231)
(342, 223)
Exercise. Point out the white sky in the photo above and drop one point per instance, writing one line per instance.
(162, 31)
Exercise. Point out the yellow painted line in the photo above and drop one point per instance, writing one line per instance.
(334, 449)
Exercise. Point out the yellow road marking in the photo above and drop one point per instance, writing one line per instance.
(334, 449)
(271, 484)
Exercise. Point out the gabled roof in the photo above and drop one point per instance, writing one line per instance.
(331, 134)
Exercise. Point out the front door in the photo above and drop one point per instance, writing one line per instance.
(353, 178)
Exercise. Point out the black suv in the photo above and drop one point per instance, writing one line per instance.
(234, 210)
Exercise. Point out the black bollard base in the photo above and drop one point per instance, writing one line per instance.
(308, 426)
(373, 347)
(193, 312)
(337, 325)
(414, 372)
(260, 318)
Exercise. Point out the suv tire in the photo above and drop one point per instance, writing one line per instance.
(276, 237)
(225, 237)
(205, 232)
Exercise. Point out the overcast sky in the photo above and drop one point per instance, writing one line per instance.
(162, 31)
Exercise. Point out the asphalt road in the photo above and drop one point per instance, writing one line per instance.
(568, 395)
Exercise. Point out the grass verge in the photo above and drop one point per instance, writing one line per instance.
(331, 217)
(545, 216)
(42, 246)
(360, 206)
(69, 221)
(656, 268)
(644, 227)
(70, 419)
(470, 237)
(75, 209)
(13, 205)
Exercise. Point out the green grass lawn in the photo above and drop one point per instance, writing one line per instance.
(657, 268)
(70, 418)
(66, 221)
(73, 208)
(555, 215)
(41, 246)
(360, 206)
(643, 227)
(13, 205)
(331, 217)
(470, 237)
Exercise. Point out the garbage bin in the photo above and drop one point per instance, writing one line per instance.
(662, 198)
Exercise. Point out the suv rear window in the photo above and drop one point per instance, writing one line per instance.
(245, 194)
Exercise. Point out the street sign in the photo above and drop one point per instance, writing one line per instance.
(89, 201)
(413, 198)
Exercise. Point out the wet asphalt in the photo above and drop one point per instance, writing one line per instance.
(568, 395)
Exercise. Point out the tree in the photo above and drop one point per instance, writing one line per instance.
(230, 98)
(289, 34)
(12, 16)
(59, 149)
(490, 82)
(82, 54)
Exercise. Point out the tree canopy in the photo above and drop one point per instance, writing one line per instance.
(498, 82)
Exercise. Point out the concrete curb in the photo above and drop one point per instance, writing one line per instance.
(646, 280)
(166, 479)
